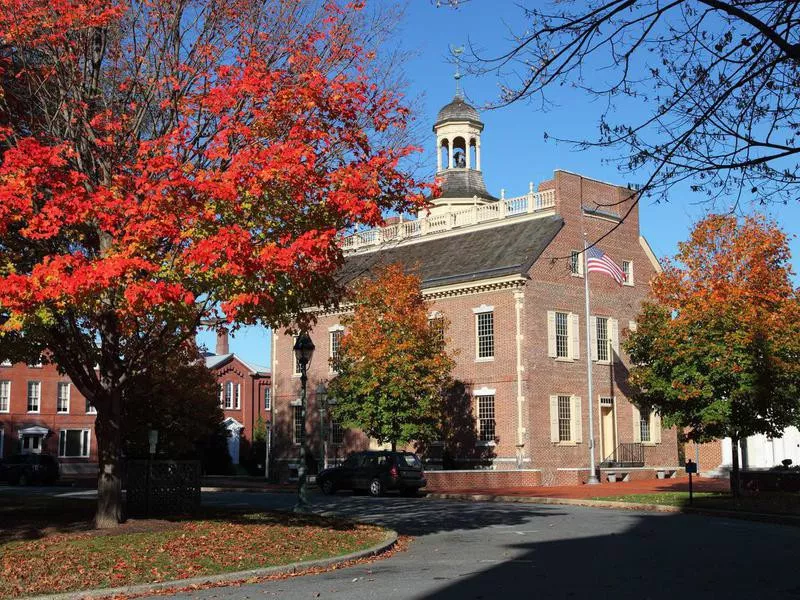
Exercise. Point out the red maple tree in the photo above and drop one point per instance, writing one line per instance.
(167, 161)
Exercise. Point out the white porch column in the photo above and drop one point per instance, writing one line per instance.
(478, 154)
(468, 148)
(438, 154)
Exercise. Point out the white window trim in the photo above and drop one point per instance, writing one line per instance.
(295, 371)
(332, 331)
(85, 452)
(580, 264)
(573, 336)
(612, 334)
(69, 397)
(28, 396)
(238, 397)
(575, 417)
(8, 406)
(267, 397)
(631, 280)
(484, 391)
(91, 409)
(484, 309)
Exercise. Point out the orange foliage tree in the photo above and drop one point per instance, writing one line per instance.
(717, 350)
(393, 369)
(168, 161)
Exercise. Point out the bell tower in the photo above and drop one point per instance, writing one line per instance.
(458, 129)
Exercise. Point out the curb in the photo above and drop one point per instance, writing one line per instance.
(629, 506)
(235, 576)
(218, 488)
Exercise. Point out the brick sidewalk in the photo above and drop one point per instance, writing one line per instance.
(606, 489)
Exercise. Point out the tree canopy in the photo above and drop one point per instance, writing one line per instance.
(717, 349)
(166, 162)
(716, 80)
(393, 368)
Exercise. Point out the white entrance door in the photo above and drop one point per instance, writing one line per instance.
(234, 436)
(32, 443)
(233, 445)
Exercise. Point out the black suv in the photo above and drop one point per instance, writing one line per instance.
(376, 472)
(24, 469)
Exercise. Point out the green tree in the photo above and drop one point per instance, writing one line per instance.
(717, 350)
(179, 397)
(393, 368)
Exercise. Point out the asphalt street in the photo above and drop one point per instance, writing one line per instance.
(476, 551)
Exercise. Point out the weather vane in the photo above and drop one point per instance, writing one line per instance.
(457, 51)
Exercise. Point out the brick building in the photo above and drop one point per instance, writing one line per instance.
(42, 411)
(508, 275)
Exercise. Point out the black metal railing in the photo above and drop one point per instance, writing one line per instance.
(629, 454)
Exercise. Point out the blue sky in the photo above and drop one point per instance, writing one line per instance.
(513, 149)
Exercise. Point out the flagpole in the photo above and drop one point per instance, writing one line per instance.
(590, 403)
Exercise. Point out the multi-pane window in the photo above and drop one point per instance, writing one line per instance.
(627, 268)
(34, 395)
(436, 323)
(336, 344)
(575, 262)
(267, 397)
(602, 339)
(486, 424)
(73, 442)
(299, 429)
(62, 397)
(295, 360)
(237, 393)
(5, 396)
(485, 326)
(337, 433)
(564, 419)
(644, 428)
(562, 335)
(227, 403)
(90, 410)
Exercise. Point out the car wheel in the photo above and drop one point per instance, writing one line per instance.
(327, 487)
(375, 488)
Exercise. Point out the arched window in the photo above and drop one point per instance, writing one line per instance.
(444, 154)
(459, 153)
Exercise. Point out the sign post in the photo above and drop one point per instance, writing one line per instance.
(691, 467)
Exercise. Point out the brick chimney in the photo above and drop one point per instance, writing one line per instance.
(222, 341)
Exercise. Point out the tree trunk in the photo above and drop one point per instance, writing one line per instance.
(394, 446)
(735, 466)
(109, 479)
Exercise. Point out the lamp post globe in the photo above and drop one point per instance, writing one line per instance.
(303, 351)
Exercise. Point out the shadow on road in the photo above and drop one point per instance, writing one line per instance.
(418, 516)
(657, 557)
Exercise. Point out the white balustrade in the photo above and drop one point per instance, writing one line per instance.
(506, 208)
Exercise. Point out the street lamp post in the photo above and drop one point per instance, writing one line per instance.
(303, 351)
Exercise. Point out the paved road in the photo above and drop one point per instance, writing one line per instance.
(477, 551)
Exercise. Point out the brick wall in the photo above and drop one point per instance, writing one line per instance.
(550, 287)
(445, 481)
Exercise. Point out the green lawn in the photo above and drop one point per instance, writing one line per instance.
(766, 502)
(154, 551)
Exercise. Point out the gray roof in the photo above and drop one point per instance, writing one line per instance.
(214, 361)
(463, 183)
(458, 110)
(471, 256)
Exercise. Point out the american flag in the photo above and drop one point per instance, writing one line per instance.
(597, 260)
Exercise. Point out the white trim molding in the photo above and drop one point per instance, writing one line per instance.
(483, 308)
